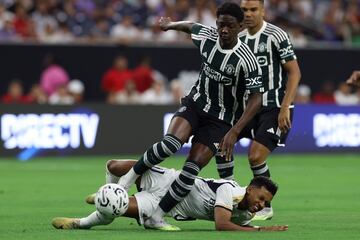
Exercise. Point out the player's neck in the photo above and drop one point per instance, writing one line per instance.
(229, 45)
(242, 205)
(254, 30)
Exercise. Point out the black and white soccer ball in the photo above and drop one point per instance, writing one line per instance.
(112, 200)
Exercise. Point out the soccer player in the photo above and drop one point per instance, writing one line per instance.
(229, 76)
(354, 79)
(222, 201)
(281, 75)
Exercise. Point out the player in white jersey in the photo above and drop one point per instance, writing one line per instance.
(223, 201)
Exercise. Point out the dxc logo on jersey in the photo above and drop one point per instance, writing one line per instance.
(253, 81)
(48, 131)
(286, 51)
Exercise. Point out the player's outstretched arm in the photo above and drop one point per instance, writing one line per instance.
(354, 79)
(166, 24)
(223, 222)
(228, 142)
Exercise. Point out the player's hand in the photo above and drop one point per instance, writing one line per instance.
(164, 23)
(354, 79)
(275, 228)
(284, 122)
(227, 144)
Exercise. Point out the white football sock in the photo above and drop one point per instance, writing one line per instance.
(128, 179)
(95, 219)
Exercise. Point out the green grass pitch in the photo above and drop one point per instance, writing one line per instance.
(319, 198)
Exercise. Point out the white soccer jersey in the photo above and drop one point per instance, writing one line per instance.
(208, 194)
(199, 204)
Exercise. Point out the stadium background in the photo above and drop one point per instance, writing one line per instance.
(317, 172)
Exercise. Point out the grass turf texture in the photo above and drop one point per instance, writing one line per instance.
(319, 198)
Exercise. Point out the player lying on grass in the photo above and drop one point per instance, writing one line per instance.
(223, 201)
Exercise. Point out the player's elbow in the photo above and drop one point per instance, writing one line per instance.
(221, 227)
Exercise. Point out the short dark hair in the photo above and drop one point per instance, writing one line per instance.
(261, 1)
(266, 182)
(232, 9)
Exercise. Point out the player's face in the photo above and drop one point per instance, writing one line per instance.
(253, 13)
(228, 28)
(257, 197)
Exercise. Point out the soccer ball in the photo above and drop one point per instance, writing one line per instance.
(112, 200)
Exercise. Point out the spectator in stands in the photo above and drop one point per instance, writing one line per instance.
(157, 94)
(143, 75)
(297, 37)
(177, 91)
(43, 18)
(61, 34)
(53, 75)
(100, 31)
(345, 96)
(76, 89)
(23, 24)
(61, 96)
(114, 79)
(303, 94)
(7, 32)
(5, 16)
(37, 95)
(125, 31)
(326, 94)
(203, 12)
(129, 95)
(352, 19)
(15, 93)
(354, 79)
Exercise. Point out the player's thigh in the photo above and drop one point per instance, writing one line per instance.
(210, 134)
(200, 154)
(184, 122)
(267, 132)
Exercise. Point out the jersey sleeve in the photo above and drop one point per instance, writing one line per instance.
(199, 33)
(285, 49)
(252, 71)
(224, 197)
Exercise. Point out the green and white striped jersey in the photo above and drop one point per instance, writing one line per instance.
(227, 76)
(272, 48)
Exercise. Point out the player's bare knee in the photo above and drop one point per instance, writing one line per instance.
(255, 159)
(111, 165)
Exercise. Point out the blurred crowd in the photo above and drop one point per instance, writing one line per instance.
(120, 84)
(342, 94)
(129, 21)
(143, 85)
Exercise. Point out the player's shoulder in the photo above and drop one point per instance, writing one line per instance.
(206, 31)
(243, 47)
(276, 32)
(230, 184)
(244, 52)
(243, 33)
(232, 188)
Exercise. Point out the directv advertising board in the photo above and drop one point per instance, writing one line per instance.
(99, 129)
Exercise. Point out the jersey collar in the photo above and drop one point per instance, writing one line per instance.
(227, 50)
(258, 33)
